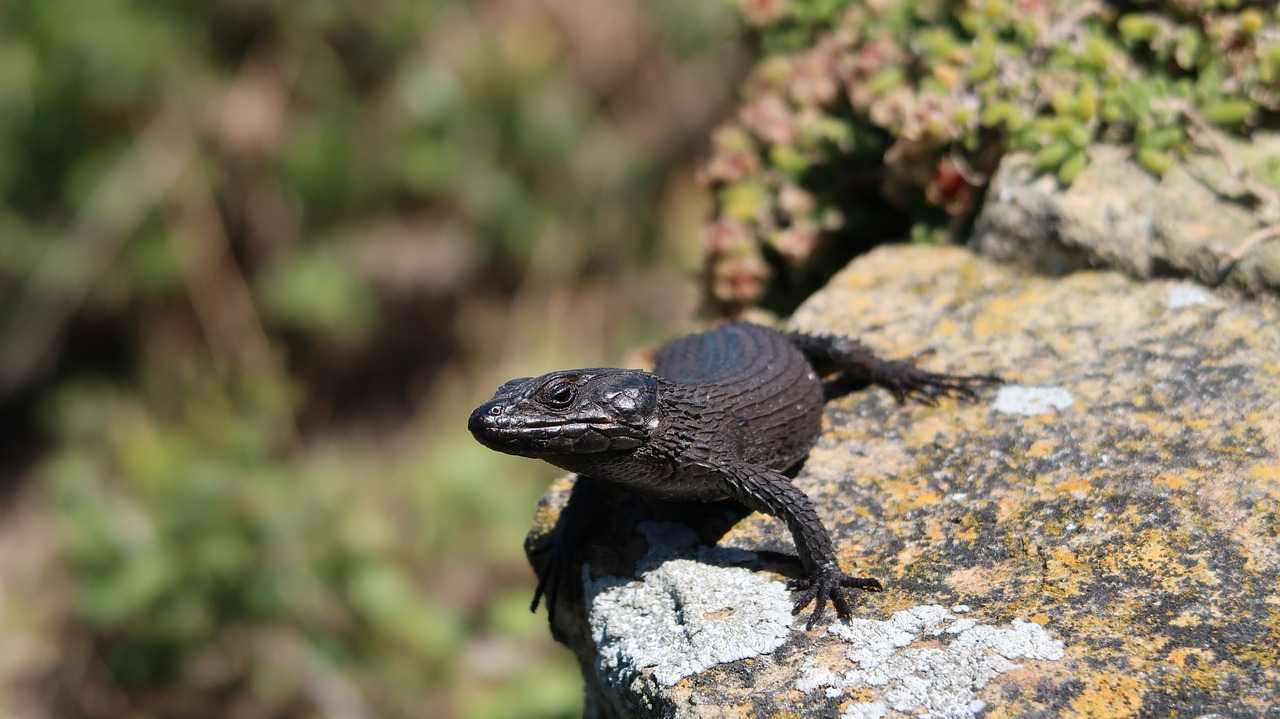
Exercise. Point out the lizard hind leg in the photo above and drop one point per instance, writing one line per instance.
(847, 365)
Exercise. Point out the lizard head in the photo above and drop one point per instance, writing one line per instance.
(571, 412)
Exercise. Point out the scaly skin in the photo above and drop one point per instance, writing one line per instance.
(723, 415)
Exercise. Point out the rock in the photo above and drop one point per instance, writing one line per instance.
(1193, 222)
(1099, 535)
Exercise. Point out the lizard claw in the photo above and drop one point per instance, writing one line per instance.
(552, 579)
(904, 379)
(828, 584)
(915, 357)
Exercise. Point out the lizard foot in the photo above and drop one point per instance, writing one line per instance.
(557, 573)
(553, 578)
(548, 583)
(903, 379)
(828, 583)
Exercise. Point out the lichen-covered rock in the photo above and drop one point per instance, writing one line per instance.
(1099, 537)
(1194, 221)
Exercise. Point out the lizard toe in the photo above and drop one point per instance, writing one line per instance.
(828, 584)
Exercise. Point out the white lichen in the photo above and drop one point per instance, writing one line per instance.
(684, 615)
(1031, 401)
(938, 680)
(691, 610)
(865, 710)
(1186, 295)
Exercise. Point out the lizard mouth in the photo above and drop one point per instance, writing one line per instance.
(540, 436)
(491, 419)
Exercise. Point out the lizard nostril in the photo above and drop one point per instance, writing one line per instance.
(495, 410)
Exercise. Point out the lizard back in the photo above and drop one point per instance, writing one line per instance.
(761, 396)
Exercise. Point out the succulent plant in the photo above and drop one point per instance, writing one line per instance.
(922, 98)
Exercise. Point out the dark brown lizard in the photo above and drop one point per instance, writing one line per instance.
(723, 415)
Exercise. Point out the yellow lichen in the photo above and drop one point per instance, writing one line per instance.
(1266, 472)
(1172, 481)
(1110, 696)
(1074, 486)
(1043, 448)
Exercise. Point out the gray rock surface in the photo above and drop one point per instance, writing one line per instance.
(1192, 222)
(1099, 537)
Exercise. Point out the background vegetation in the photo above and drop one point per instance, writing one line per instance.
(258, 260)
(863, 121)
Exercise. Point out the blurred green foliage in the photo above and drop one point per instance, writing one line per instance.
(257, 261)
(202, 554)
(936, 91)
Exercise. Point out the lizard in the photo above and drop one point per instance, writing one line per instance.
(725, 413)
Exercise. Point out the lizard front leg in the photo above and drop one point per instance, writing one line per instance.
(769, 491)
(570, 529)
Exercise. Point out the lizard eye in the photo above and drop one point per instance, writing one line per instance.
(557, 395)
